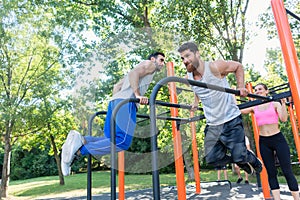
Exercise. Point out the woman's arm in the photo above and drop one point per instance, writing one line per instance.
(281, 110)
(247, 110)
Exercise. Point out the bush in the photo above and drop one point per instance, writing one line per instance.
(29, 164)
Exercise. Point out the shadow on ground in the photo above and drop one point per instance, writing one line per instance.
(210, 190)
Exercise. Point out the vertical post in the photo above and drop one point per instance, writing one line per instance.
(289, 52)
(263, 174)
(89, 162)
(181, 192)
(121, 166)
(89, 178)
(195, 155)
(294, 129)
(154, 146)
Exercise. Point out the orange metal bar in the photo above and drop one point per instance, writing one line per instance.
(294, 129)
(289, 52)
(121, 166)
(263, 174)
(181, 191)
(195, 156)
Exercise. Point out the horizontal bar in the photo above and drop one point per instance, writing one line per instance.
(162, 103)
(222, 89)
(205, 85)
(292, 14)
(258, 102)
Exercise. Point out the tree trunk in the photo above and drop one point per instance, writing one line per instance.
(57, 159)
(6, 162)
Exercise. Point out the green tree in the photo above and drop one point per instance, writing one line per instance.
(38, 50)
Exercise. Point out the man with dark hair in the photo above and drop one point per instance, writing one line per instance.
(224, 130)
(133, 85)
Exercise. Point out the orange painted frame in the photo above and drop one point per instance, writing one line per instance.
(289, 52)
(179, 167)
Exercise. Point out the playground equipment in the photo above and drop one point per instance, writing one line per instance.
(293, 71)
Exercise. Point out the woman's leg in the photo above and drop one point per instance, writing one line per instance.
(267, 154)
(283, 154)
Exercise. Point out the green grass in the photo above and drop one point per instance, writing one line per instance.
(75, 185)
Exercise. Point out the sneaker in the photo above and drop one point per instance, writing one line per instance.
(246, 182)
(73, 142)
(246, 167)
(239, 180)
(65, 168)
(257, 166)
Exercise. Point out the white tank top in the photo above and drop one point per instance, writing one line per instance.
(219, 107)
(126, 91)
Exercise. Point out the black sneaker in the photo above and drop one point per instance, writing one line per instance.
(246, 167)
(246, 182)
(239, 180)
(257, 166)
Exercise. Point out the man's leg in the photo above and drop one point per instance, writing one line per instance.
(215, 151)
(233, 137)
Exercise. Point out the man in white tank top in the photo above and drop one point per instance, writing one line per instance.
(133, 85)
(224, 130)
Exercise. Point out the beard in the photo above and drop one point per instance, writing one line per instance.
(157, 67)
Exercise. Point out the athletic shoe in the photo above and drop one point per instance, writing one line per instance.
(65, 168)
(73, 142)
(239, 180)
(246, 167)
(246, 182)
(257, 165)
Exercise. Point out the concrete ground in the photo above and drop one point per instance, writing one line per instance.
(209, 191)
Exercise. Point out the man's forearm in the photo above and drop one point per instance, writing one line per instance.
(239, 74)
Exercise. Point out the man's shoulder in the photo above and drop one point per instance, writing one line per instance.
(146, 64)
(217, 63)
(144, 67)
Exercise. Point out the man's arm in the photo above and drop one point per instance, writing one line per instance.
(222, 68)
(142, 69)
(195, 104)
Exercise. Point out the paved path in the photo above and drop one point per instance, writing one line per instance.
(209, 191)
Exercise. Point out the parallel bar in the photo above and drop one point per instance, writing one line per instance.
(292, 14)
(208, 86)
(195, 155)
(258, 102)
(162, 103)
(89, 163)
(154, 148)
(279, 87)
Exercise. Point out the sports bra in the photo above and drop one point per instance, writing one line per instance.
(268, 116)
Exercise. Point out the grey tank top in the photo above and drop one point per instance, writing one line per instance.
(126, 91)
(219, 107)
